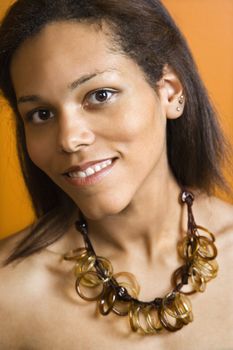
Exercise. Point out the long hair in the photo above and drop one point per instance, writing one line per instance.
(145, 32)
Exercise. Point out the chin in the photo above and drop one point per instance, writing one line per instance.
(99, 211)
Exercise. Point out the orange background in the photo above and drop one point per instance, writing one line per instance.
(208, 26)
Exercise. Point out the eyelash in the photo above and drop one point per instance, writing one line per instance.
(29, 115)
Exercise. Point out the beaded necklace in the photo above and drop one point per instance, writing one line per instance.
(118, 292)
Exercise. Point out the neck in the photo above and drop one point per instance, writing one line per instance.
(151, 223)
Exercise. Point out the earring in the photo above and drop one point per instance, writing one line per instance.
(181, 101)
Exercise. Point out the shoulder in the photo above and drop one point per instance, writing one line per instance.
(7, 340)
(216, 215)
(19, 292)
(29, 295)
(8, 243)
(222, 225)
(215, 212)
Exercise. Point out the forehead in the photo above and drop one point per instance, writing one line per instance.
(62, 45)
(67, 35)
(66, 51)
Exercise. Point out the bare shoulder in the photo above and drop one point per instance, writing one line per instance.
(18, 292)
(217, 216)
(33, 291)
(223, 212)
(8, 243)
(9, 294)
(216, 213)
(222, 219)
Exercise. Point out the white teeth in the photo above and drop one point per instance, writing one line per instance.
(108, 162)
(97, 168)
(82, 174)
(91, 170)
(78, 174)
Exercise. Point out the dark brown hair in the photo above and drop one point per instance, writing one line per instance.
(143, 30)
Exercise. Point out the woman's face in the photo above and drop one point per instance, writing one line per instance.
(82, 102)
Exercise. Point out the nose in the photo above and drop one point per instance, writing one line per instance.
(74, 134)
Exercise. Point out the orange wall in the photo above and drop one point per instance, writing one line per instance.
(208, 27)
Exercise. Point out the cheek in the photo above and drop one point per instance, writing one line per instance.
(144, 147)
(39, 150)
(141, 127)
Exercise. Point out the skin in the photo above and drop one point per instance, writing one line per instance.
(134, 216)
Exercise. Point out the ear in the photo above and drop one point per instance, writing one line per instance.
(170, 92)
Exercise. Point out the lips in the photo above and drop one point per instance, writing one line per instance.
(83, 167)
(91, 170)
(92, 175)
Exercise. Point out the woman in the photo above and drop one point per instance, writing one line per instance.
(120, 151)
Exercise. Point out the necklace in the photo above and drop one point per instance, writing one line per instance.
(118, 292)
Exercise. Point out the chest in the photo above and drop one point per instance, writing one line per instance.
(67, 322)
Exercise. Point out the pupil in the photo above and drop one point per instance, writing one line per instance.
(43, 114)
(101, 95)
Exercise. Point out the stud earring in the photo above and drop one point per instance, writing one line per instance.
(181, 101)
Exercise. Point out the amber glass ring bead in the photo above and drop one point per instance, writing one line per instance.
(92, 281)
(76, 254)
(138, 319)
(107, 300)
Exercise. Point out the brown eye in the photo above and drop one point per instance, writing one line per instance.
(39, 116)
(43, 114)
(100, 96)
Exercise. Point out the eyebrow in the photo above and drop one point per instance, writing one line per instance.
(72, 86)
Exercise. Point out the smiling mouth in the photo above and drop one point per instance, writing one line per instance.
(96, 168)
